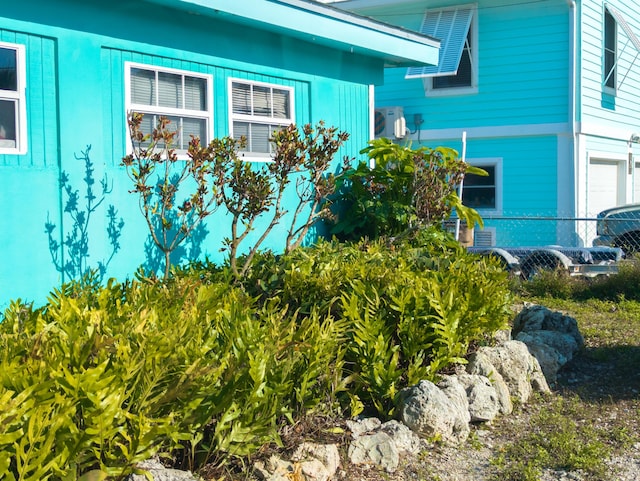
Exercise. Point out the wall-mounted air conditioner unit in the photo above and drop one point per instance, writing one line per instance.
(390, 123)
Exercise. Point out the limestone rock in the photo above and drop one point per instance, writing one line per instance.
(483, 399)
(433, 412)
(319, 462)
(377, 449)
(480, 364)
(519, 369)
(160, 473)
(406, 441)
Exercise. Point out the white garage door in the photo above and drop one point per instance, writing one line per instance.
(605, 186)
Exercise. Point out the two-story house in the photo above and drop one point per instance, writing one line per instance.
(548, 93)
(71, 70)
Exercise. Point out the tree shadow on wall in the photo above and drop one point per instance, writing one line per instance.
(71, 256)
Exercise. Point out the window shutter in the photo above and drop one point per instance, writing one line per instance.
(451, 27)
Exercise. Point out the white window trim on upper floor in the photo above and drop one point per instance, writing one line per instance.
(452, 26)
(258, 120)
(18, 98)
(632, 39)
(205, 114)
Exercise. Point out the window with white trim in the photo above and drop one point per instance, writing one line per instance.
(256, 111)
(457, 69)
(483, 192)
(615, 62)
(184, 97)
(12, 99)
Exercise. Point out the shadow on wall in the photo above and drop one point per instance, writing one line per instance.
(70, 256)
(189, 250)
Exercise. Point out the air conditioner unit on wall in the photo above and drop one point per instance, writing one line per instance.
(390, 123)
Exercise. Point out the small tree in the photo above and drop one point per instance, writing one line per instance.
(251, 190)
(159, 178)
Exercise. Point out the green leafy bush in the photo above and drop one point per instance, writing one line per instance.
(410, 311)
(93, 383)
(405, 189)
(201, 369)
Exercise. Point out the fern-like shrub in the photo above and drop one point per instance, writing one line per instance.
(201, 369)
(411, 310)
(103, 377)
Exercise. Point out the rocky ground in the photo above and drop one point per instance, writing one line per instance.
(590, 381)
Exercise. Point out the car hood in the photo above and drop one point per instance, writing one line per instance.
(621, 209)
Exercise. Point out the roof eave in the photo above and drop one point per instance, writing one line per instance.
(311, 21)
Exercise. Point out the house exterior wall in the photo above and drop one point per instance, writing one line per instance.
(75, 57)
(607, 119)
(518, 114)
(539, 91)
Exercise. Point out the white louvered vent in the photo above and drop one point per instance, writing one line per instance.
(484, 237)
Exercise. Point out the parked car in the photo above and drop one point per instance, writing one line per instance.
(619, 227)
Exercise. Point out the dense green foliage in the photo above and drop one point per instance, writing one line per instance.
(201, 369)
(404, 189)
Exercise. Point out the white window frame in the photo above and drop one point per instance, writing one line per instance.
(256, 119)
(496, 163)
(20, 98)
(206, 115)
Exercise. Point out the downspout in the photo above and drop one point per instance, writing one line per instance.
(573, 86)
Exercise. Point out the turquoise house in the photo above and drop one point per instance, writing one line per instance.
(548, 93)
(70, 70)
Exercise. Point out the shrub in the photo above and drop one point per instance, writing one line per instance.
(406, 189)
(93, 383)
(411, 311)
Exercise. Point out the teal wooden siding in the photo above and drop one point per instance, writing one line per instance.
(76, 54)
(622, 110)
(522, 78)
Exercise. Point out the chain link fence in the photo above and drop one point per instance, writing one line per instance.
(580, 245)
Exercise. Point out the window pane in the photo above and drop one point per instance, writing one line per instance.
(261, 101)
(195, 93)
(240, 129)
(259, 138)
(195, 127)
(473, 180)
(480, 191)
(8, 69)
(479, 197)
(241, 98)
(281, 109)
(146, 127)
(143, 89)
(169, 90)
(8, 123)
(609, 50)
(463, 77)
